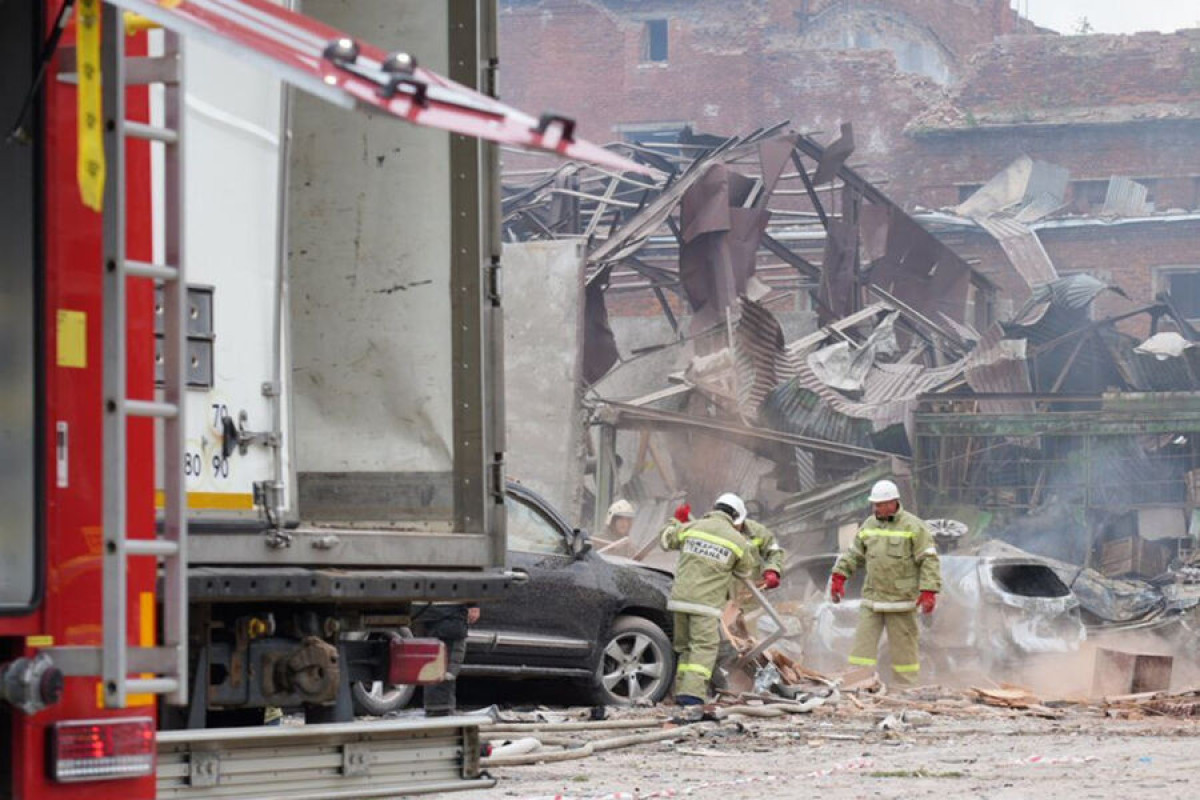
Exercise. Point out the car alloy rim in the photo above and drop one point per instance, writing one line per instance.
(632, 667)
(378, 690)
(384, 695)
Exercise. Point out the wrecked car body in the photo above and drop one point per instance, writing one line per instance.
(994, 612)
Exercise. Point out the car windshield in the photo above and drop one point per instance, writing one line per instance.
(531, 532)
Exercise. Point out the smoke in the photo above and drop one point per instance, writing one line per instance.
(1075, 676)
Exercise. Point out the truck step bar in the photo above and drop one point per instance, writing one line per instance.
(383, 758)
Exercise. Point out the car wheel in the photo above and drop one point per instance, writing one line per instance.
(636, 664)
(377, 699)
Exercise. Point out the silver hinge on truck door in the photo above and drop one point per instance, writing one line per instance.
(494, 287)
(496, 478)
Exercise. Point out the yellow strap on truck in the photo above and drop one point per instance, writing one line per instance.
(90, 145)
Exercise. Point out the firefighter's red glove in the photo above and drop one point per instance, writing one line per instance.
(927, 601)
(684, 513)
(770, 579)
(837, 587)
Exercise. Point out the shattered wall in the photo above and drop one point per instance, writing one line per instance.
(1088, 79)
(735, 66)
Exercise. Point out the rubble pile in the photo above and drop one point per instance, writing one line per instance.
(1067, 435)
(856, 706)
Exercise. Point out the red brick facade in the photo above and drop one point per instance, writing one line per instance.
(969, 98)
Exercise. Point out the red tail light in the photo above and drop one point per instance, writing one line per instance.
(98, 750)
(419, 661)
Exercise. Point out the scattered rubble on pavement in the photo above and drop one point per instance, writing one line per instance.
(862, 729)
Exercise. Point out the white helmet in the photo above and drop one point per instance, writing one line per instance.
(884, 491)
(621, 508)
(733, 502)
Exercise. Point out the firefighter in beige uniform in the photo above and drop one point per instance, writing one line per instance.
(712, 553)
(903, 574)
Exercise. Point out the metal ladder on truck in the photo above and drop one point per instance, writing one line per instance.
(164, 667)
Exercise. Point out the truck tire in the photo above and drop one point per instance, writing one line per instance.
(636, 664)
(377, 699)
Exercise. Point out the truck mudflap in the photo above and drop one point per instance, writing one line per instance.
(383, 758)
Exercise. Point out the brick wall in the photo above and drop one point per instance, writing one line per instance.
(732, 66)
(960, 25)
(1165, 150)
(1058, 73)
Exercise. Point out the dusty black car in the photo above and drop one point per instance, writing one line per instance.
(598, 620)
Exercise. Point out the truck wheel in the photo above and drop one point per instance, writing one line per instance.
(636, 664)
(377, 699)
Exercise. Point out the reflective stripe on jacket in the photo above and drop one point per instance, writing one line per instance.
(901, 560)
(711, 554)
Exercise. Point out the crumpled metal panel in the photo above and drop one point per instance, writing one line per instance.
(887, 383)
(835, 156)
(810, 406)
(1125, 198)
(1060, 308)
(1000, 366)
(795, 408)
(836, 291)
(762, 362)
(845, 367)
(1022, 181)
(1056, 308)
(1023, 248)
(919, 270)
(1038, 208)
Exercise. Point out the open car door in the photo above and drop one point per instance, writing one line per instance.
(326, 62)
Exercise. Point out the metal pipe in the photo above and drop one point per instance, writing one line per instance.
(780, 627)
(565, 727)
(538, 757)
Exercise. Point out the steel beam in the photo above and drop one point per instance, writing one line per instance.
(1067, 423)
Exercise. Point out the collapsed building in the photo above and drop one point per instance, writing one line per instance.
(985, 289)
(906, 366)
(1054, 430)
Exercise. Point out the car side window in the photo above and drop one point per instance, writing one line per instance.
(530, 532)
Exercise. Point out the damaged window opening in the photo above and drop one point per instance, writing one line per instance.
(1183, 284)
(654, 40)
(1029, 580)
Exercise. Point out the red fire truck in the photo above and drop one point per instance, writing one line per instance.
(167, 566)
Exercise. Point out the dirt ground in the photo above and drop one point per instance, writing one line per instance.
(985, 752)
